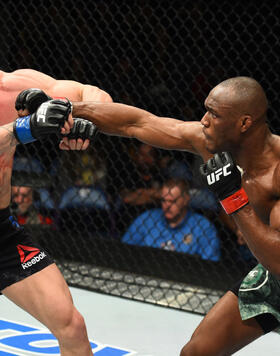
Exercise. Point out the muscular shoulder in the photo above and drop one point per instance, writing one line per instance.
(26, 78)
(193, 133)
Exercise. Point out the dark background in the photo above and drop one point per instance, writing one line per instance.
(161, 56)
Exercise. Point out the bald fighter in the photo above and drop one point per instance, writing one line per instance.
(235, 131)
(31, 279)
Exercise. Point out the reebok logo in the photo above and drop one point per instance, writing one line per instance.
(29, 255)
(215, 176)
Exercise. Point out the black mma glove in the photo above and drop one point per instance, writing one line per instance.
(49, 118)
(31, 99)
(222, 176)
(83, 129)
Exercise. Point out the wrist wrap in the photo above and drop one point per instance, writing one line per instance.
(22, 130)
(235, 201)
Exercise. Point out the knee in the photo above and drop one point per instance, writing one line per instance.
(72, 326)
(194, 348)
(189, 350)
(77, 323)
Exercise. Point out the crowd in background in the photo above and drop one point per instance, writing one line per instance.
(139, 195)
(161, 56)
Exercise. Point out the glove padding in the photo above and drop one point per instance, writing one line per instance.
(83, 129)
(31, 99)
(49, 118)
(222, 176)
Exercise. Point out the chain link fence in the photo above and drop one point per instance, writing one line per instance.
(161, 56)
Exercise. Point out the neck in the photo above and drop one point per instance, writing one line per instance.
(177, 220)
(248, 154)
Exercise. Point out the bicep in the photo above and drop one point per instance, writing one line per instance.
(76, 91)
(53, 87)
(31, 79)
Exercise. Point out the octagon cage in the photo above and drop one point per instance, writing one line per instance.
(101, 210)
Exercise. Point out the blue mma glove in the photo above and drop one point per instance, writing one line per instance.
(48, 119)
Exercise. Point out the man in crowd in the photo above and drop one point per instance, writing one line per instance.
(174, 226)
(25, 210)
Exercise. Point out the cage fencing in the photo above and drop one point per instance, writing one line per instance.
(164, 57)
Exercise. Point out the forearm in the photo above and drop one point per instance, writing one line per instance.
(8, 141)
(115, 119)
(129, 121)
(263, 240)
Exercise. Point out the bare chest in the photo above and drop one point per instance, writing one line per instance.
(261, 195)
(7, 110)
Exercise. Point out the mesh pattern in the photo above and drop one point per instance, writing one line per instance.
(161, 56)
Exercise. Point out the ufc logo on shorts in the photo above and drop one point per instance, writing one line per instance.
(215, 176)
(41, 113)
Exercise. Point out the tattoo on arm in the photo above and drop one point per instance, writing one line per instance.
(7, 137)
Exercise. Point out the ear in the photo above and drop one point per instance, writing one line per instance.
(245, 122)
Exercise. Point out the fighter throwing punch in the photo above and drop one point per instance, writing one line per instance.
(39, 288)
(235, 122)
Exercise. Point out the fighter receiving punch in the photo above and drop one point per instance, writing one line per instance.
(39, 288)
(234, 129)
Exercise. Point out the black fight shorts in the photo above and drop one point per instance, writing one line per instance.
(20, 257)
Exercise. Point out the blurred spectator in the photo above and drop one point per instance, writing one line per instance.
(25, 211)
(92, 169)
(173, 167)
(142, 175)
(175, 227)
(84, 168)
(139, 185)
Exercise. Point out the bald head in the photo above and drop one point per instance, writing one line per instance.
(246, 94)
(236, 113)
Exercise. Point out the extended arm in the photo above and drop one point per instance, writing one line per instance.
(29, 78)
(125, 120)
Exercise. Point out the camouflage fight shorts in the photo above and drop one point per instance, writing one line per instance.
(259, 293)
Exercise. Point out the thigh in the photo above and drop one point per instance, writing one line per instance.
(45, 295)
(20, 255)
(222, 331)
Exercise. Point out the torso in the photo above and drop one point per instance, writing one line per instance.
(8, 114)
(261, 193)
(7, 101)
(262, 186)
(6, 167)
